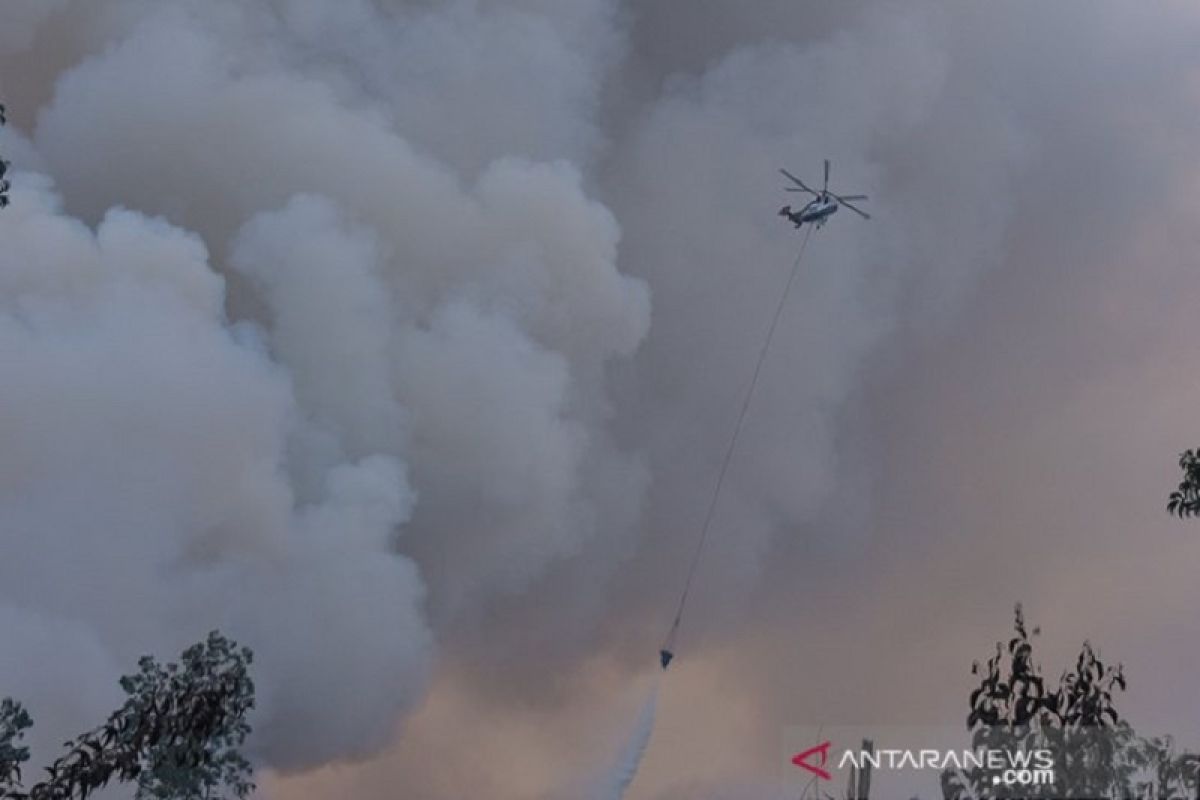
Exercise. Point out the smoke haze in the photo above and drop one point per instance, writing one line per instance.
(401, 341)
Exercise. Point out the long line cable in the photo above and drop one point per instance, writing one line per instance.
(737, 429)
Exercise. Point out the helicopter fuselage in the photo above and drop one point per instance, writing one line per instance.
(814, 213)
(818, 210)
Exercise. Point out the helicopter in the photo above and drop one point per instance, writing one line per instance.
(822, 206)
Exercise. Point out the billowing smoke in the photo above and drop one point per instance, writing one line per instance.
(318, 347)
(401, 341)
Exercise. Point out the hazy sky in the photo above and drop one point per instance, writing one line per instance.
(402, 340)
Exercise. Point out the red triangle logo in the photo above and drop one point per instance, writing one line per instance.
(802, 760)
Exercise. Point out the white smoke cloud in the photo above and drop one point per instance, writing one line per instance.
(380, 358)
(145, 499)
(315, 274)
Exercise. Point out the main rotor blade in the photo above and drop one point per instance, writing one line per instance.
(826, 187)
(797, 181)
(843, 200)
(858, 211)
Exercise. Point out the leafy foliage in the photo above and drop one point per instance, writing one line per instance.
(14, 721)
(1185, 500)
(1096, 753)
(4, 165)
(177, 735)
(1164, 772)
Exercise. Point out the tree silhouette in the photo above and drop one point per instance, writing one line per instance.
(1185, 500)
(177, 735)
(1096, 753)
(4, 165)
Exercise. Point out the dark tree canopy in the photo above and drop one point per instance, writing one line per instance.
(4, 185)
(1096, 752)
(177, 735)
(14, 721)
(1185, 500)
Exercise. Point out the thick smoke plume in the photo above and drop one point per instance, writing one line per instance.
(297, 350)
(401, 341)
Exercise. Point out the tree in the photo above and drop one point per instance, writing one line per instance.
(177, 736)
(1185, 500)
(1096, 753)
(4, 185)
